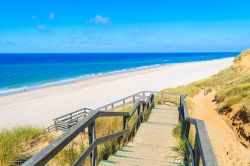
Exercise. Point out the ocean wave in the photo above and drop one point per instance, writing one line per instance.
(10, 91)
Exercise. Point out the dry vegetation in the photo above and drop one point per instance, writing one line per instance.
(19, 144)
(232, 86)
(15, 142)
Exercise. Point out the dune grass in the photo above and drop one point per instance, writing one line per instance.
(104, 126)
(14, 142)
(182, 144)
(230, 86)
(17, 144)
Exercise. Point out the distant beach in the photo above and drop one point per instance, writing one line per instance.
(26, 72)
(40, 106)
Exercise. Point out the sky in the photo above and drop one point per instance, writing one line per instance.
(62, 26)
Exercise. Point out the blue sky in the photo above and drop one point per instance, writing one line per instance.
(124, 26)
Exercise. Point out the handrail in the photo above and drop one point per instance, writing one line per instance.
(97, 142)
(66, 121)
(133, 97)
(202, 149)
(162, 92)
(46, 154)
(69, 114)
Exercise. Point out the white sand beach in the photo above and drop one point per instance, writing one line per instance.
(40, 106)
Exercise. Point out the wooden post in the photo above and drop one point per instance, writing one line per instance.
(134, 99)
(55, 125)
(196, 152)
(139, 109)
(179, 110)
(187, 129)
(139, 118)
(186, 133)
(143, 111)
(92, 137)
(125, 122)
(152, 102)
(182, 108)
(125, 126)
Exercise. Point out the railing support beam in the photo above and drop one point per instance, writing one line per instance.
(92, 138)
(196, 152)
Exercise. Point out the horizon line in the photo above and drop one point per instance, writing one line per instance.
(117, 52)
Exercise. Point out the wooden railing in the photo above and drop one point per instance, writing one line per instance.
(202, 149)
(67, 121)
(142, 108)
(144, 102)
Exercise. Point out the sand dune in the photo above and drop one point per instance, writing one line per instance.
(228, 150)
(40, 106)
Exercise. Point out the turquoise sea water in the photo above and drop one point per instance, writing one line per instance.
(21, 72)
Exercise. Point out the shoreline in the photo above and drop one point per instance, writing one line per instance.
(66, 81)
(38, 107)
(28, 88)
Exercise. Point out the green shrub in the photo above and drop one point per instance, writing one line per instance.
(225, 109)
(181, 142)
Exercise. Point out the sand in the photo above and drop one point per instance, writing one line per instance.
(40, 106)
(228, 150)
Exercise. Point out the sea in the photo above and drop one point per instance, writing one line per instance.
(28, 71)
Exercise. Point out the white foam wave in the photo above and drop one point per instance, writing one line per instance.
(4, 92)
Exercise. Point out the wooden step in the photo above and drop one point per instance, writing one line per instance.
(153, 144)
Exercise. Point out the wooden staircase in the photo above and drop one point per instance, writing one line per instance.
(153, 144)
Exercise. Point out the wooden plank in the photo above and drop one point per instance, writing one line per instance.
(191, 120)
(92, 138)
(131, 113)
(83, 109)
(205, 147)
(185, 111)
(120, 100)
(153, 142)
(196, 152)
(166, 93)
(190, 150)
(106, 113)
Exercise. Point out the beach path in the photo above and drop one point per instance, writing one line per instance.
(228, 150)
(153, 143)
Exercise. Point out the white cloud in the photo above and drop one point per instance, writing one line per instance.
(42, 27)
(99, 19)
(52, 16)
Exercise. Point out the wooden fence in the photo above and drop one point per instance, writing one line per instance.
(67, 121)
(202, 149)
(142, 108)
